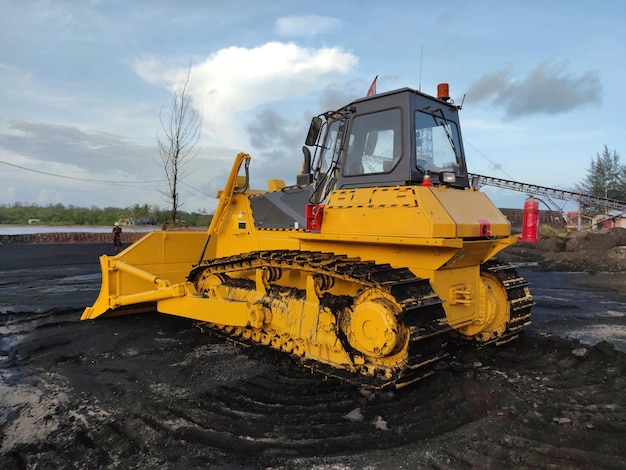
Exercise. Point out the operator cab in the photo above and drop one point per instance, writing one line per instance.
(390, 139)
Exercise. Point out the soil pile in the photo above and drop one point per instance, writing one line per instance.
(602, 251)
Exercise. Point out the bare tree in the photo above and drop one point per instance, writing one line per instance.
(180, 133)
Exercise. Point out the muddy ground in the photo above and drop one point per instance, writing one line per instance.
(152, 391)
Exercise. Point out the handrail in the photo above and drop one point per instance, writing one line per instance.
(225, 196)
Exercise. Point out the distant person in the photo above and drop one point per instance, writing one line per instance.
(117, 236)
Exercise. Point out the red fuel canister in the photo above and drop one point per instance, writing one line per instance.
(530, 220)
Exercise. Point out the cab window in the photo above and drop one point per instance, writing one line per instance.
(375, 143)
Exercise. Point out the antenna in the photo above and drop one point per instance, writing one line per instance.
(421, 56)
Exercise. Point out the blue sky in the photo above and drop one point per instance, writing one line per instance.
(82, 84)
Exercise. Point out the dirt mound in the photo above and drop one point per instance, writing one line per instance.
(603, 251)
(595, 241)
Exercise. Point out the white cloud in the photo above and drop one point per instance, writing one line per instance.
(236, 80)
(307, 25)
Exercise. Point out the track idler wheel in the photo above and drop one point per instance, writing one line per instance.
(371, 326)
(494, 311)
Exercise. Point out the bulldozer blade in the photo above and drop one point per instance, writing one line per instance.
(153, 268)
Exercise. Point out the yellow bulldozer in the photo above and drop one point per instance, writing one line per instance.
(363, 270)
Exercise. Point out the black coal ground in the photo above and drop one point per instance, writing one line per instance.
(152, 391)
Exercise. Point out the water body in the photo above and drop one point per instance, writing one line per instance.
(583, 306)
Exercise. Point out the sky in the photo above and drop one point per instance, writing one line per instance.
(83, 85)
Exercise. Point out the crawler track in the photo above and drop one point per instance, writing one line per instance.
(422, 315)
(518, 295)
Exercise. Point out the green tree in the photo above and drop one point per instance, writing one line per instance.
(606, 177)
(57, 214)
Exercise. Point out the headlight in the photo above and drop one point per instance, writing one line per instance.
(447, 177)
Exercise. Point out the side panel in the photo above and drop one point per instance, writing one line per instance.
(283, 209)
(414, 212)
(473, 213)
(400, 212)
(236, 232)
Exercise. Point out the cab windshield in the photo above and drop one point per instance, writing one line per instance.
(436, 143)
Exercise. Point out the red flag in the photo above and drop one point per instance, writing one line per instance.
(372, 88)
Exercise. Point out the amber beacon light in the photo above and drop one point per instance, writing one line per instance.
(442, 92)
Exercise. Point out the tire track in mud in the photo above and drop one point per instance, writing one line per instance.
(281, 414)
(178, 387)
(152, 391)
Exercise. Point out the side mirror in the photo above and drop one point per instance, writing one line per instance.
(314, 131)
